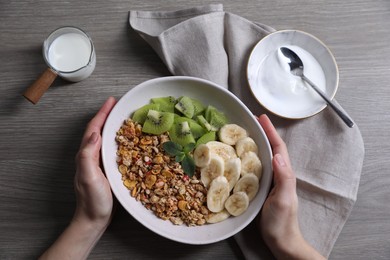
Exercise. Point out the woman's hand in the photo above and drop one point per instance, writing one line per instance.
(94, 199)
(278, 222)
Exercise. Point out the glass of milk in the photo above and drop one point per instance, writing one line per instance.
(68, 53)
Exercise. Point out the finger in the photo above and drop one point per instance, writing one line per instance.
(88, 155)
(277, 143)
(284, 190)
(283, 172)
(96, 124)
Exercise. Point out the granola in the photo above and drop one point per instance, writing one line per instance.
(157, 180)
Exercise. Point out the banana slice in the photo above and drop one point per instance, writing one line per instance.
(237, 203)
(232, 171)
(214, 168)
(202, 155)
(223, 150)
(231, 133)
(217, 217)
(249, 183)
(217, 194)
(250, 163)
(246, 144)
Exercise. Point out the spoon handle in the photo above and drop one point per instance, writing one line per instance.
(342, 114)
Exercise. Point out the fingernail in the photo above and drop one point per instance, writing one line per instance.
(93, 138)
(280, 160)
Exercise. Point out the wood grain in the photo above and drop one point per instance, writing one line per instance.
(34, 92)
(38, 143)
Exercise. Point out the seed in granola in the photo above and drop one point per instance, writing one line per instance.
(163, 139)
(159, 192)
(126, 161)
(182, 189)
(167, 159)
(160, 183)
(131, 176)
(155, 140)
(204, 210)
(154, 199)
(162, 200)
(120, 138)
(129, 122)
(199, 194)
(195, 206)
(139, 163)
(138, 130)
(176, 220)
(155, 149)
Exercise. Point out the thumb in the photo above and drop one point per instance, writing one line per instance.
(284, 177)
(88, 155)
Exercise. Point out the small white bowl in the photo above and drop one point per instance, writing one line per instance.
(208, 93)
(273, 85)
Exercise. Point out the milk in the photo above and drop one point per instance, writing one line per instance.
(72, 56)
(286, 92)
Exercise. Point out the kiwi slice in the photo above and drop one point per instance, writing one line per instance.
(157, 122)
(180, 133)
(209, 110)
(141, 113)
(196, 129)
(198, 106)
(207, 137)
(216, 118)
(205, 124)
(185, 106)
(167, 104)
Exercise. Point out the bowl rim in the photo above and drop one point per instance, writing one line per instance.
(240, 103)
(308, 35)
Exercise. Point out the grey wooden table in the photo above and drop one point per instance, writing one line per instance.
(38, 142)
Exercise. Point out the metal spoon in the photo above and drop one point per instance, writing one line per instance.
(296, 68)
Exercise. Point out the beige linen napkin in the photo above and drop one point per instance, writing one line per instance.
(326, 155)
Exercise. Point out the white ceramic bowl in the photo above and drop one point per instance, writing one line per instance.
(208, 93)
(270, 84)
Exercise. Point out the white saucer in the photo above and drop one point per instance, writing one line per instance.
(273, 85)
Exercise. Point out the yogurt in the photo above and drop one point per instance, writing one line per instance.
(69, 52)
(284, 91)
